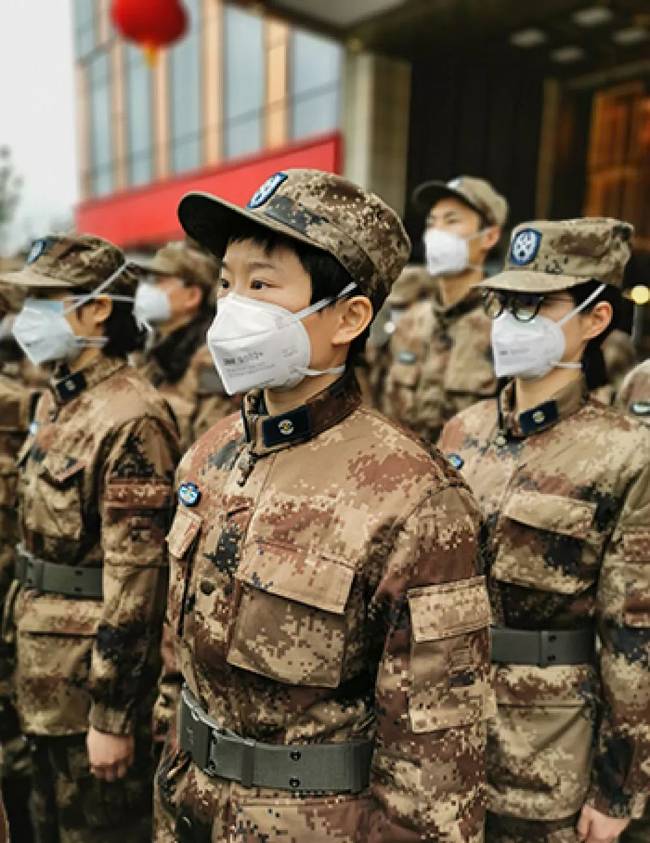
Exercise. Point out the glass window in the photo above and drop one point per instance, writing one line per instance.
(84, 26)
(101, 147)
(315, 84)
(185, 95)
(244, 82)
(139, 117)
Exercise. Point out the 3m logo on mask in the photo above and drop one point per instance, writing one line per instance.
(525, 246)
(266, 190)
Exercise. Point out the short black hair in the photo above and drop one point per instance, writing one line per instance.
(328, 277)
(593, 360)
(122, 331)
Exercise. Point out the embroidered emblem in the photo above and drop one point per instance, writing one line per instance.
(266, 190)
(189, 494)
(456, 461)
(525, 246)
(641, 408)
(286, 427)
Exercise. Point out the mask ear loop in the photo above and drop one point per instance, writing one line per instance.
(570, 315)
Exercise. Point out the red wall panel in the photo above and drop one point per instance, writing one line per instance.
(147, 215)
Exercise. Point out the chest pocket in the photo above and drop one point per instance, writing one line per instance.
(52, 496)
(292, 619)
(184, 532)
(547, 542)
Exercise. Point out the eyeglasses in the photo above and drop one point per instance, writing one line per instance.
(523, 306)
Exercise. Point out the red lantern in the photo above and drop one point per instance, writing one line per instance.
(152, 24)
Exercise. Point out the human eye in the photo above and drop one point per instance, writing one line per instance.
(224, 283)
(257, 284)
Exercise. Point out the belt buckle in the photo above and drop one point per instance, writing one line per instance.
(547, 653)
(196, 734)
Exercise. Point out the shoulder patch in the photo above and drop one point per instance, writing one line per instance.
(266, 190)
(524, 246)
(37, 249)
(456, 461)
(189, 494)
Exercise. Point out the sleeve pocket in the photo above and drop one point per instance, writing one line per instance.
(636, 553)
(450, 655)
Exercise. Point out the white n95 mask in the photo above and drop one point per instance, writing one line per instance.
(447, 254)
(530, 350)
(44, 334)
(255, 344)
(151, 304)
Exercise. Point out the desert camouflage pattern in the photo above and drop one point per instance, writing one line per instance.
(85, 261)
(634, 394)
(71, 805)
(324, 587)
(545, 256)
(513, 830)
(440, 361)
(192, 265)
(95, 490)
(620, 356)
(325, 210)
(479, 194)
(566, 494)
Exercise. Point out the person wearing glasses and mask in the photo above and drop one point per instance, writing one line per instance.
(439, 359)
(564, 483)
(177, 302)
(94, 500)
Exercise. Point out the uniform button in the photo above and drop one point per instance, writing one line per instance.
(206, 587)
(500, 440)
(294, 782)
(295, 755)
(539, 417)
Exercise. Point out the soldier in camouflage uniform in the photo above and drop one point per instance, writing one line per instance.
(634, 394)
(439, 354)
(564, 483)
(16, 405)
(94, 499)
(178, 301)
(324, 578)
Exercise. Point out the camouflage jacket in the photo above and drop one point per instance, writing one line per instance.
(634, 394)
(181, 368)
(95, 490)
(324, 588)
(441, 362)
(565, 490)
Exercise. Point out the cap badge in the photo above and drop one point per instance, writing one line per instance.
(189, 494)
(266, 190)
(38, 247)
(525, 246)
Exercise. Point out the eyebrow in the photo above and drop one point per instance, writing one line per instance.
(252, 265)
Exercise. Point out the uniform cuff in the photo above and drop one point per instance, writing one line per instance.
(622, 807)
(110, 720)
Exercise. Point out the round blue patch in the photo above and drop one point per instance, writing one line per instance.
(456, 461)
(266, 190)
(189, 494)
(38, 247)
(525, 245)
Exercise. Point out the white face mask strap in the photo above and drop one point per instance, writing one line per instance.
(319, 305)
(90, 296)
(582, 306)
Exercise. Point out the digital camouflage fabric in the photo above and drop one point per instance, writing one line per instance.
(565, 490)
(634, 394)
(325, 588)
(479, 194)
(322, 209)
(440, 361)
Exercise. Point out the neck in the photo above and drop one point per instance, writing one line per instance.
(165, 329)
(283, 401)
(531, 393)
(454, 288)
(85, 358)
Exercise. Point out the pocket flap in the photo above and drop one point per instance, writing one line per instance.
(296, 574)
(185, 528)
(56, 615)
(555, 513)
(59, 467)
(450, 609)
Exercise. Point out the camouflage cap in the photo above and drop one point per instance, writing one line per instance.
(322, 209)
(413, 282)
(182, 260)
(477, 193)
(546, 256)
(62, 261)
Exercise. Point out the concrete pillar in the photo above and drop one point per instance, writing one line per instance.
(376, 99)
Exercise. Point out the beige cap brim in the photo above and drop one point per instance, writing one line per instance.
(28, 278)
(212, 221)
(530, 282)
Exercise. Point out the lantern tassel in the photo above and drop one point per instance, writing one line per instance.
(150, 52)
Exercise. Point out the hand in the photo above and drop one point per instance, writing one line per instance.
(594, 827)
(110, 756)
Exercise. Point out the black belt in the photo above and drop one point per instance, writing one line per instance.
(69, 580)
(337, 767)
(543, 647)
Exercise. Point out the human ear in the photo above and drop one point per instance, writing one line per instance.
(355, 314)
(490, 237)
(102, 307)
(596, 320)
(193, 296)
